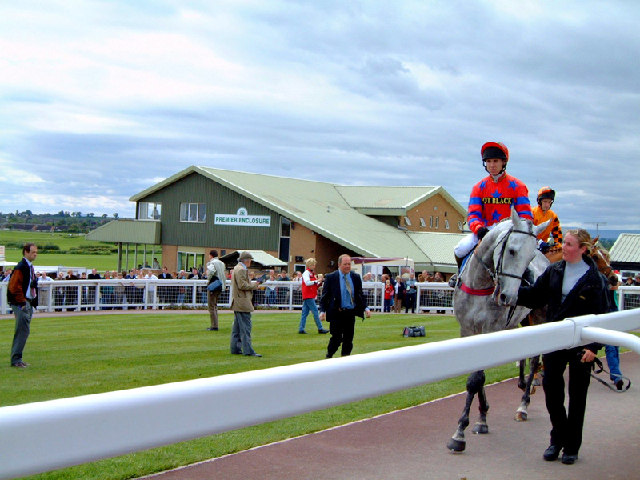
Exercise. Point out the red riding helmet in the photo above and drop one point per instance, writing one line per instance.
(494, 150)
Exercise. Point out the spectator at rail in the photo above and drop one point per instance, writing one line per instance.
(151, 285)
(107, 292)
(284, 276)
(195, 274)
(613, 351)
(163, 290)
(400, 294)
(389, 292)
(91, 289)
(411, 294)
(6, 275)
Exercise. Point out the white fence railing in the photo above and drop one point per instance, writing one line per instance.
(43, 436)
(78, 295)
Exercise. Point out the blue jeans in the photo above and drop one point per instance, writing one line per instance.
(613, 361)
(270, 296)
(241, 334)
(387, 304)
(309, 305)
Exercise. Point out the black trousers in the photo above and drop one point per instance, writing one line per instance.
(341, 327)
(566, 427)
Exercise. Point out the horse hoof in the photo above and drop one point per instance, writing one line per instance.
(521, 417)
(481, 428)
(456, 445)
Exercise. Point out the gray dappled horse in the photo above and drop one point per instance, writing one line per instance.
(485, 297)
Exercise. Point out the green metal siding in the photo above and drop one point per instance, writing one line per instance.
(195, 188)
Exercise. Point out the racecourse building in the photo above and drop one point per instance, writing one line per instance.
(289, 220)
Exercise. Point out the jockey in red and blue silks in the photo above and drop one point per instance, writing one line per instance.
(492, 198)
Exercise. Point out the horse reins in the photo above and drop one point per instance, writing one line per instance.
(601, 369)
(498, 271)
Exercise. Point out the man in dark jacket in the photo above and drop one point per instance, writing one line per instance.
(341, 302)
(570, 288)
(22, 297)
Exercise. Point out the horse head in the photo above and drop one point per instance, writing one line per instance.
(602, 259)
(510, 246)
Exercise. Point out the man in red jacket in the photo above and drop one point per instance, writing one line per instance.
(22, 297)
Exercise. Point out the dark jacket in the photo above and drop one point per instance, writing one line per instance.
(588, 296)
(331, 299)
(18, 284)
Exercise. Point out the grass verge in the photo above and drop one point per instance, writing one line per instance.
(79, 355)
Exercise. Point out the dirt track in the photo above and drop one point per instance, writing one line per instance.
(410, 444)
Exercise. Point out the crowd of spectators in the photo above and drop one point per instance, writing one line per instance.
(270, 295)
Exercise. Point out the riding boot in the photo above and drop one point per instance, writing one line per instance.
(454, 278)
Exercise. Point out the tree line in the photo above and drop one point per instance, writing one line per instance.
(63, 221)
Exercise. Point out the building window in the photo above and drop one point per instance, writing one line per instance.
(431, 221)
(407, 222)
(437, 222)
(446, 224)
(189, 260)
(460, 225)
(422, 222)
(193, 212)
(285, 239)
(149, 211)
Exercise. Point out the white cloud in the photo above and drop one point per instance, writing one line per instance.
(111, 96)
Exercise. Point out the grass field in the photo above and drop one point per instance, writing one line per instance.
(79, 355)
(13, 240)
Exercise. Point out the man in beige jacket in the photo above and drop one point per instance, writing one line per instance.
(241, 295)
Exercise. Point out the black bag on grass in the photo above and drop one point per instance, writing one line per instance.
(414, 331)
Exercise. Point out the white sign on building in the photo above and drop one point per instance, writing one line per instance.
(242, 219)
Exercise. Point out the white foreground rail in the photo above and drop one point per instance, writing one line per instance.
(43, 436)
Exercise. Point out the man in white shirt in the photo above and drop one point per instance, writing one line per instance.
(215, 270)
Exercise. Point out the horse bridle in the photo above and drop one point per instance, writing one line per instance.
(498, 270)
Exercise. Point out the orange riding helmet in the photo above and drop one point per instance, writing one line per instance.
(546, 192)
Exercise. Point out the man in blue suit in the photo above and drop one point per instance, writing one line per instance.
(342, 300)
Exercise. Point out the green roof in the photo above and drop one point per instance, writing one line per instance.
(626, 249)
(335, 211)
(127, 231)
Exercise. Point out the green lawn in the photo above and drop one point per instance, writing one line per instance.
(13, 241)
(79, 355)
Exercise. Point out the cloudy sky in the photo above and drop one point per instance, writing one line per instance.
(101, 99)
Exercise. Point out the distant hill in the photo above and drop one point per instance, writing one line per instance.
(604, 234)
